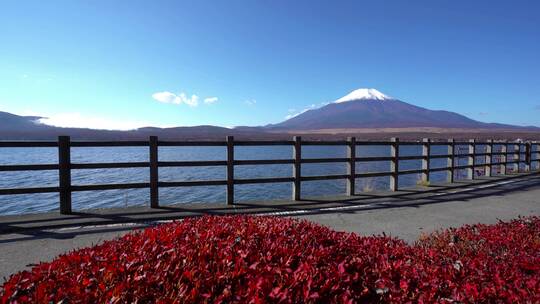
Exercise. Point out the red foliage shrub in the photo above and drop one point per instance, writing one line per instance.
(265, 259)
(484, 263)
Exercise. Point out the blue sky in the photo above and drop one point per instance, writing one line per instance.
(100, 63)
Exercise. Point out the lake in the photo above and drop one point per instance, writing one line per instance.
(34, 203)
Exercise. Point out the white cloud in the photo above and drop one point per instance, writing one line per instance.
(310, 107)
(77, 120)
(192, 101)
(168, 97)
(210, 100)
(250, 102)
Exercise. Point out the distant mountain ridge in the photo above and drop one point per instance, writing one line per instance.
(15, 127)
(10, 121)
(361, 109)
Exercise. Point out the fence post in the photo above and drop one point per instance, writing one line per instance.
(489, 157)
(154, 175)
(297, 168)
(517, 156)
(394, 163)
(230, 170)
(426, 153)
(471, 159)
(527, 157)
(537, 158)
(351, 167)
(64, 173)
(450, 161)
(504, 156)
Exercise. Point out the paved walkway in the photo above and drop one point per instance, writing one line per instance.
(28, 239)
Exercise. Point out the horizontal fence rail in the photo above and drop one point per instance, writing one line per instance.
(511, 154)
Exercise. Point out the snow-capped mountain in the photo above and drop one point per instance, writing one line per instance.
(369, 108)
(363, 94)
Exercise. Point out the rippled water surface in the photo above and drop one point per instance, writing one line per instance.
(32, 203)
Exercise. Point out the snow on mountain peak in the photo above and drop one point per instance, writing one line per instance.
(363, 94)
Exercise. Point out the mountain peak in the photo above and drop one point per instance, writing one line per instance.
(359, 94)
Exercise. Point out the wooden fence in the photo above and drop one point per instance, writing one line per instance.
(521, 153)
